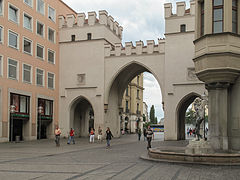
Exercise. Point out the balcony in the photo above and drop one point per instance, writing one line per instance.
(217, 57)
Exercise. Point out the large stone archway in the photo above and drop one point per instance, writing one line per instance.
(99, 69)
(116, 90)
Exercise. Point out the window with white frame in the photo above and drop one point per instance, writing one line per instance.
(51, 56)
(40, 77)
(51, 35)
(12, 39)
(13, 13)
(1, 7)
(1, 34)
(27, 46)
(27, 73)
(28, 2)
(12, 69)
(40, 29)
(27, 21)
(1, 65)
(50, 80)
(51, 13)
(40, 6)
(40, 51)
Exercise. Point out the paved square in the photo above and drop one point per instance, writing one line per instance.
(41, 160)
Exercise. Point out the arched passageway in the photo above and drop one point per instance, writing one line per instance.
(81, 117)
(181, 111)
(116, 92)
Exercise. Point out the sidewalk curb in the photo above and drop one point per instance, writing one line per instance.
(147, 158)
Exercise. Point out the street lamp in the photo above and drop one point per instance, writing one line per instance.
(204, 97)
(40, 111)
(12, 111)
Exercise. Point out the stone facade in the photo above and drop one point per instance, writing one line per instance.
(132, 103)
(217, 50)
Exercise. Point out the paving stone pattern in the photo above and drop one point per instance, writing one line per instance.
(42, 160)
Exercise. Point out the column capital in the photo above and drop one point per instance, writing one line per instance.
(217, 85)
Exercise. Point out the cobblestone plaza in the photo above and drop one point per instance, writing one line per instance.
(43, 161)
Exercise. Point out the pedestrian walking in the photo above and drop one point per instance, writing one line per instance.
(139, 134)
(149, 136)
(57, 133)
(71, 136)
(108, 137)
(144, 133)
(99, 134)
(92, 134)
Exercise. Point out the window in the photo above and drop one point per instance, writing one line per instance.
(27, 21)
(40, 6)
(138, 93)
(40, 29)
(40, 51)
(51, 56)
(183, 28)
(27, 73)
(127, 91)
(28, 2)
(89, 36)
(73, 37)
(47, 106)
(21, 102)
(1, 65)
(51, 13)
(137, 80)
(13, 14)
(234, 15)
(217, 16)
(12, 69)
(12, 39)
(51, 35)
(127, 110)
(1, 34)
(27, 46)
(202, 19)
(40, 77)
(1, 7)
(51, 80)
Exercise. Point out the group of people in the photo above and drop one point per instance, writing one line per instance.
(91, 135)
(148, 133)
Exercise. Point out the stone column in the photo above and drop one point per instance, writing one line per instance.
(218, 115)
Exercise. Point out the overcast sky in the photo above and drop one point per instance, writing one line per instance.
(141, 20)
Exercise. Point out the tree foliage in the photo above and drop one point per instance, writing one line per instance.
(153, 119)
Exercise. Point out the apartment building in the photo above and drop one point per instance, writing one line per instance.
(132, 103)
(29, 68)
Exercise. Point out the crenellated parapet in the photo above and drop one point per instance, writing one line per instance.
(139, 49)
(80, 21)
(180, 9)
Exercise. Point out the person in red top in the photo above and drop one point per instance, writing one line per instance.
(71, 136)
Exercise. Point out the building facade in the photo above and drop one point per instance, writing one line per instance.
(132, 103)
(29, 68)
(217, 62)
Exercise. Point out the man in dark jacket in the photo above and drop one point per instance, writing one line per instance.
(149, 136)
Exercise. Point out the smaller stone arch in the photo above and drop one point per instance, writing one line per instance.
(81, 116)
(181, 110)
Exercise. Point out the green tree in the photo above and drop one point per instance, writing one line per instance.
(153, 119)
(189, 117)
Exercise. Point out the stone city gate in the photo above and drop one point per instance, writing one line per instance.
(95, 70)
